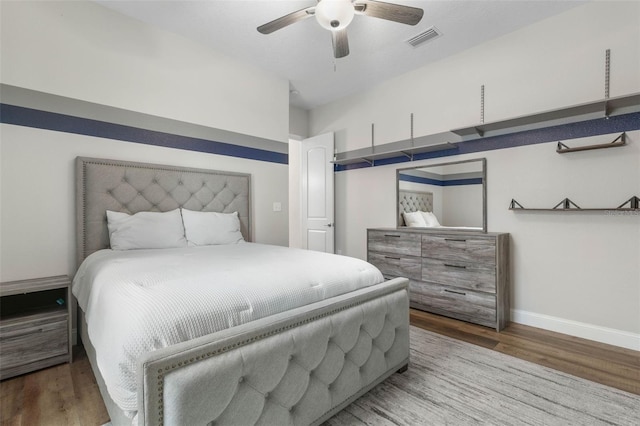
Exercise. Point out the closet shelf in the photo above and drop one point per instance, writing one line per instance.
(448, 140)
(568, 205)
(581, 112)
(405, 148)
(619, 141)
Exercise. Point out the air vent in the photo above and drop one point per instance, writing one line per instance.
(424, 37)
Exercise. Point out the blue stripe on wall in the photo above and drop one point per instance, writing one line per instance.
(601, 126)
(21, 116)
(452, 182)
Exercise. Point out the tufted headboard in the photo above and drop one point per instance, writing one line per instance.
(413, 201)
(130, 187)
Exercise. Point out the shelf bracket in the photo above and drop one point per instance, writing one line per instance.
(406, 154)
(567, 204)
(478, 131)
(515, 205)
(634, 203)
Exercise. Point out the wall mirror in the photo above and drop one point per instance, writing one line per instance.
(451, 196)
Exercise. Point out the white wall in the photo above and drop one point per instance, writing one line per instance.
(576, 273)
(298, 123)
(84, 51)
(462, 205)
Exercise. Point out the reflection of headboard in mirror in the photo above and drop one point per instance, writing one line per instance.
(458, 190)
(413, 201)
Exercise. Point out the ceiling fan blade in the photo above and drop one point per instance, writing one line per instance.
(340, 43)
(389, 11)
(286, 20)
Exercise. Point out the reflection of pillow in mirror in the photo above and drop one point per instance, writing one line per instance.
(430, 219)
(414, 219)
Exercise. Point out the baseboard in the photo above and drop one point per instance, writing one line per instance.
(606, 335)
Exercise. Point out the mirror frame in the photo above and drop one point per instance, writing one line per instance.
(482, 160)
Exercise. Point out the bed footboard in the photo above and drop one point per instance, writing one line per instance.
(295, 368)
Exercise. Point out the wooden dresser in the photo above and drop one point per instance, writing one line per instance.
(464, 275)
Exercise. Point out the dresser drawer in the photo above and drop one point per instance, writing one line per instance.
(466, 305)
(33, 341)
(394, 242)
(472, 276)
(463, 248)
(397, 266)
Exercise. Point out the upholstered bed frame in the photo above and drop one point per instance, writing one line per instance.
(413, 201)
(300, 367)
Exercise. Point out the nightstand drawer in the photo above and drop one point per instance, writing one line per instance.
(463, 248)
(397, 266)
(394, 242)
(472, 276)
(466, 305)
(28, 342)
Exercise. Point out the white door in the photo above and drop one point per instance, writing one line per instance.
(317, 193)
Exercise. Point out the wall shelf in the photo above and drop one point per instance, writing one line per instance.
(581, 112)
(619, 141)
(568, 205)
(404, 148)
(374, 154)
(448, 140)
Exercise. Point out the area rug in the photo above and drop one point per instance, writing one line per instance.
(450, 382)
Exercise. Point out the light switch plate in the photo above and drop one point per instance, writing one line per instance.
(277, 206)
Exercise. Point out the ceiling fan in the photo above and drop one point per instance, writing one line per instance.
(336, 15)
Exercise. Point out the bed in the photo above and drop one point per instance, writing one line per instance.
(413, 201)
(297, 364)
(415, 209)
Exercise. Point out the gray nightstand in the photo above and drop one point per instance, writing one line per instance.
(35, 324)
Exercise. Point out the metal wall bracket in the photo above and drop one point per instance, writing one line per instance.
(619, 141)
(634, 203)
(566, 204)
(515, 205)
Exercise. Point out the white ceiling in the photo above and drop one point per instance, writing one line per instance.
(302, 52)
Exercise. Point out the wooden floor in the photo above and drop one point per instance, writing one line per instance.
(68, 394)
(610, 365)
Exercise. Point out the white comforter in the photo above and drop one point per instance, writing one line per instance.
(140, 300)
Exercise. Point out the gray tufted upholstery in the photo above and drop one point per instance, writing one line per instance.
(134, 187)
(413, 201)
(296, 368)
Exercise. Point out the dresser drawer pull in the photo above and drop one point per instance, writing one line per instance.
(455, 266)
(455, 240)
(392, 257)
(455, 292)
(391, 235)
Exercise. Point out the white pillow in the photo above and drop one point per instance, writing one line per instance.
(145, 230)
(430, 219)
(211, 228)
(414, 219)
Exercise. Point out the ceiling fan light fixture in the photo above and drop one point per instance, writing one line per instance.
(334, 15)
